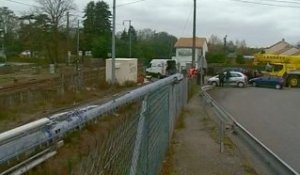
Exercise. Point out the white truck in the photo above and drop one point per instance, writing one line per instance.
(161, 68)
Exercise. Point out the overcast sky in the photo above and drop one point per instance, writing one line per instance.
(259, 25)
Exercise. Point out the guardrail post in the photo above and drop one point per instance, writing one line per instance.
(221, 136)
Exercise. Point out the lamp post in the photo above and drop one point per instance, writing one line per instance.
(129, 32)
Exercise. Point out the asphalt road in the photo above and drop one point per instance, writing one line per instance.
(273, 116)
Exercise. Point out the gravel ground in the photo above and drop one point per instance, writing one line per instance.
(195, 147)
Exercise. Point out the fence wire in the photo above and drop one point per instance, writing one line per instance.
(136, 139)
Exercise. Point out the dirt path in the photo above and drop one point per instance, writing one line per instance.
(195, 149)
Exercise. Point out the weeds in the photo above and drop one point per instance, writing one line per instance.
(248, 168)
(80, 145)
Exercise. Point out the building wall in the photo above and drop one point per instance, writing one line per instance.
(184, 56)
(126, 70)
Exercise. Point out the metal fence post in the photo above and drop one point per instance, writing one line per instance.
(138, 140)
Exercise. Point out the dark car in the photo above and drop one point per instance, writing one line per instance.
(272, 82)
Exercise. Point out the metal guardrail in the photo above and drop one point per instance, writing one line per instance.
(272, 162)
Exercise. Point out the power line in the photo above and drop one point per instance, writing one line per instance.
(283, 2)
(129, 3)
(187, 21)
(22, 3)
(31, 5)
(268, 4)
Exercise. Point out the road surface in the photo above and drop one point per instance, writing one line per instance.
(273, 116)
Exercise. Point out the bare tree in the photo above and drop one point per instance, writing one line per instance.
(56, 11)
(214, 40)
(298, 44)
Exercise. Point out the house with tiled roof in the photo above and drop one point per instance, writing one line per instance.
(184, 48)
(282, 48)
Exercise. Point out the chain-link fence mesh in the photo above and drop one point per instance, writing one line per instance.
(134, 138)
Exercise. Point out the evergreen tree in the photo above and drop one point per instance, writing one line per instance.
(97, 28)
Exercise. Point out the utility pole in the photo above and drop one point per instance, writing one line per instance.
(129, 32)
(113, 47)
(2, 32)
(194, 36)
(77, 59)
(225, 44)
(68, 38)
(78, 36)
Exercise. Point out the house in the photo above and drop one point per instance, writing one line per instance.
(183, 56)
(282, 48)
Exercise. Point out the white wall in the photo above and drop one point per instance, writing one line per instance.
(184, 56)
(126, 69)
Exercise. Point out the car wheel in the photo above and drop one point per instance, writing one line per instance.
(293, 81)
(254, 84)
(278, 86)
(241, 84)
(214, 83)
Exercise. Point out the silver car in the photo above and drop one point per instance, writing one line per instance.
(234, 79)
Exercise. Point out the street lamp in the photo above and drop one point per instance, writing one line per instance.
(129, 31)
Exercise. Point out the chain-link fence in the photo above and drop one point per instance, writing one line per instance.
(135, 130)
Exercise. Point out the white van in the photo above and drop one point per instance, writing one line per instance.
(161, 68)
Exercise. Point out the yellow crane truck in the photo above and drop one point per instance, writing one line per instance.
(287, 67)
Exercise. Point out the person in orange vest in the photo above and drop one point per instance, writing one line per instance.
(192, 72)
(140, 79)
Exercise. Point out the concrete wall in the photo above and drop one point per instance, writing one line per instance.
(126, 69)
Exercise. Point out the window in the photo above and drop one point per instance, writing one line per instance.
(235, 75)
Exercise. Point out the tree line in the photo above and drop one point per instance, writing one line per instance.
(223, 51)
(50, 30)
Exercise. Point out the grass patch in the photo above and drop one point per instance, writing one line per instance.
(180, 123)
(95, 140)
(168, 168)
(215, 134)
(193, 89)
(249, 169)
(6, 79)
(47, 102)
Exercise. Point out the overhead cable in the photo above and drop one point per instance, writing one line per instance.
(268, 4)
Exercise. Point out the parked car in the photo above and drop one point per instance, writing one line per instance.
(234, 79)
(272, 82)
(250, 73)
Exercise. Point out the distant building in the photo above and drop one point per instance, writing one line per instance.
(282, 48)
(184, 52)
